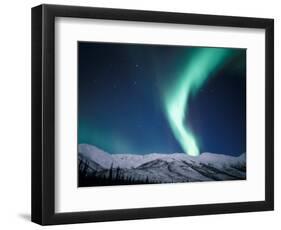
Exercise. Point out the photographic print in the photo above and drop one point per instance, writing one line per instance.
(127, 102)
(152, 114)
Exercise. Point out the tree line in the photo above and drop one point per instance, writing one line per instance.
(113, 176)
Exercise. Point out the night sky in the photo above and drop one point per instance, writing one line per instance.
(130, 97)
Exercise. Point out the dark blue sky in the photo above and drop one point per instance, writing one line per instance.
(120, 106)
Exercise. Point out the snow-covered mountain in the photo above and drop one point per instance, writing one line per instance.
(161, 168)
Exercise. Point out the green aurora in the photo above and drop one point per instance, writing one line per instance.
(203, 64)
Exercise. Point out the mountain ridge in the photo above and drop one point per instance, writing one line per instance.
(163, 168)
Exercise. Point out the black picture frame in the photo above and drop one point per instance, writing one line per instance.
(43, 114)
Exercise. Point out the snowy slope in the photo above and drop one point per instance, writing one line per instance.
(165, 168)
(97, 155)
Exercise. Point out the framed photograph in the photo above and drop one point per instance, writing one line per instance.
(142, 114)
